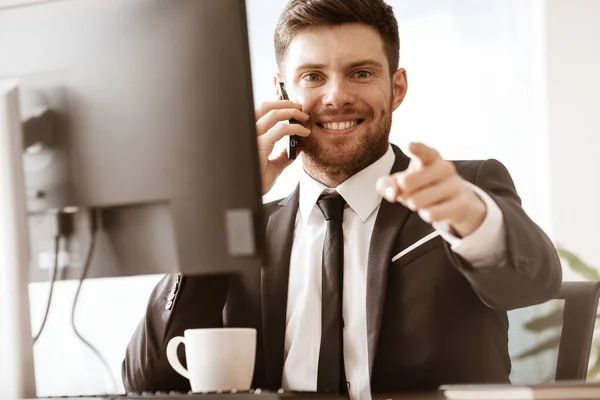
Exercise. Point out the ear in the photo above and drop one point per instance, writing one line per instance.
(399, 87)
(277, 78)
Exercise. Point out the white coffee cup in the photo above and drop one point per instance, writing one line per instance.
(217, 359)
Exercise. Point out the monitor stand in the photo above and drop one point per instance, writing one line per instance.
(17, 376)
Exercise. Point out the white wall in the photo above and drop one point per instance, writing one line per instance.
(573, 72)
(108, 310)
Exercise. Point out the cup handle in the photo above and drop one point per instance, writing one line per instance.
(173, 358)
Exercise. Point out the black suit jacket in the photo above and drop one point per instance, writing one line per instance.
(432, 318)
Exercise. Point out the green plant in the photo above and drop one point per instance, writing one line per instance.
(552, 321)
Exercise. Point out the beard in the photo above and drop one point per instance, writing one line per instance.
(341, 157)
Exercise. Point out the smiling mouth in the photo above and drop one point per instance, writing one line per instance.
(340, 125)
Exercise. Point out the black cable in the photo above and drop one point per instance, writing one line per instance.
(63, 228)
(86, 266)
(54, 272)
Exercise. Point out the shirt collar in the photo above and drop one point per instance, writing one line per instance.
(358, 190)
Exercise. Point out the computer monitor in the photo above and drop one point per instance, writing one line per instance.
(143, 111)
(151, 121)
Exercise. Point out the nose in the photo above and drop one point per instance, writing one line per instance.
(337, 94)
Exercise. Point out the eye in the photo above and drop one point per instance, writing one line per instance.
(311, 77)
(362, 74)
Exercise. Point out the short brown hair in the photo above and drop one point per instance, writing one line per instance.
(301, 14)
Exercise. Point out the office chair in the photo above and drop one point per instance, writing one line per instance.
(566, 347)
(579, 318)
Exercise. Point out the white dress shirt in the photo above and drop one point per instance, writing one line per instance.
(484, 247)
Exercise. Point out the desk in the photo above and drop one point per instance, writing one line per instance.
(267, 396)
(246, 396)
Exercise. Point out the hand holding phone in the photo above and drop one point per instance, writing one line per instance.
(292, 140)
(271, 128)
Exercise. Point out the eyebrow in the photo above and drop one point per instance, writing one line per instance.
(310, 66)
(364, 63)
(356, 64)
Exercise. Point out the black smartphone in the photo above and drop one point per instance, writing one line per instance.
(292, 140)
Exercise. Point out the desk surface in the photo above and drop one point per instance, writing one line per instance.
(266, 396)
(245, 396)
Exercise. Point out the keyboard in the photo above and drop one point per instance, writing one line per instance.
(257, 394)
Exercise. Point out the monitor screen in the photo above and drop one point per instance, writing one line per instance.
(143, 111)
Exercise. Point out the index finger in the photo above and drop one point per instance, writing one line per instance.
(267, 106)
(425, 154)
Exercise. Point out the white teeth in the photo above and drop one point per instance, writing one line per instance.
(337, 126)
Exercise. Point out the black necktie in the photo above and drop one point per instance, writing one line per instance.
(331, 376)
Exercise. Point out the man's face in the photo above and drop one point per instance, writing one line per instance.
(341, 77)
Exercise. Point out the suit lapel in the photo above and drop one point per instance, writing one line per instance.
(274, 282)
(390, 219)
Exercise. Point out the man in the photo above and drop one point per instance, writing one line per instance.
(436, 315)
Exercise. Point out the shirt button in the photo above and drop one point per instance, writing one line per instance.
(168, 305)
(171, 296)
